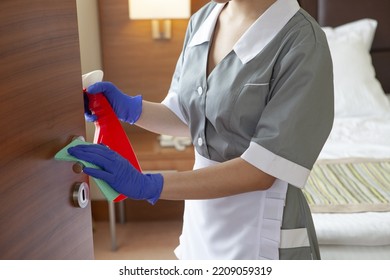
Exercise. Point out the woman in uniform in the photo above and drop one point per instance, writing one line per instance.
(253, 88)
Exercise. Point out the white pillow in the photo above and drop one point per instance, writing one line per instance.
(357, 91)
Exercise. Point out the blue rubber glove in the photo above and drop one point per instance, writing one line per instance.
(126, 108)
(119, 173)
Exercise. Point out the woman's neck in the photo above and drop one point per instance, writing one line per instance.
(247, 9)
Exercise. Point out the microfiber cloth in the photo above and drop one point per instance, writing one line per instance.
(109, 193)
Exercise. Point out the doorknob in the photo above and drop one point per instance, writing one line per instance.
(80, 194)
(78, 167)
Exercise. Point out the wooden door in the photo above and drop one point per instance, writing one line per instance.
(40, 111)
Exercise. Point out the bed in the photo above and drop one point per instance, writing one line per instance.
(349, 188)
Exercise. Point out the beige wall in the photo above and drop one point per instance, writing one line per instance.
(88, 20)
(91, 57)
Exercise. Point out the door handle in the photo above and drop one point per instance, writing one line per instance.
(80, 194)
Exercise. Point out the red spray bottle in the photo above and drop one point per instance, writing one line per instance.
(108, 129)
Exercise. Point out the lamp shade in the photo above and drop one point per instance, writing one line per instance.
(159, 9)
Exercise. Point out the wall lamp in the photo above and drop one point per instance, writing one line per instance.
(160, 11)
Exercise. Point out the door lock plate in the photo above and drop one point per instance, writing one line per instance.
(81, 194)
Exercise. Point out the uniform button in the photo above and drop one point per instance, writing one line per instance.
(200, 90)
(200, 141)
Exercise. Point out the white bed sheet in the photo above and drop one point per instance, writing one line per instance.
(356, 235)
(367, 229)
(337, 252)
(358, 138)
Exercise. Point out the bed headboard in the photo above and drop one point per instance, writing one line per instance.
(337, 12)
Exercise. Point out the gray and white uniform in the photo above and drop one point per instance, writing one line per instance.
(270, 102)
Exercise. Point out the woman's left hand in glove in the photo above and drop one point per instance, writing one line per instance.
(119, 173)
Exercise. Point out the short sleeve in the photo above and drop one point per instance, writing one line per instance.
(172, 99)
(298, 116)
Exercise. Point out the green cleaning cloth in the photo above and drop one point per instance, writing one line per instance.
(109, 193)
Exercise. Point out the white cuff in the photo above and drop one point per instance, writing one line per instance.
(172, 102)
(275, 165)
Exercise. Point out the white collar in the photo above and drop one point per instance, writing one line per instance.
(262, 31)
